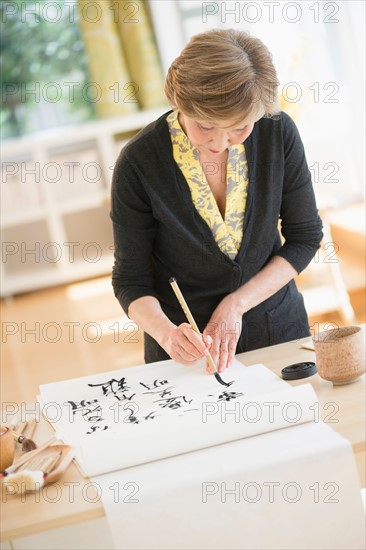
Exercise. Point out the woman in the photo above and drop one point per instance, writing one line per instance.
(198, 195)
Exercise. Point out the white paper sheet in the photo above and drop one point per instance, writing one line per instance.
(219, 424)
(131, 416)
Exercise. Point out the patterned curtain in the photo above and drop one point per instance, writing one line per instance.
(124, 66)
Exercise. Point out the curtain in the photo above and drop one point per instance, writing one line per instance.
(124, 66)
(141, 53)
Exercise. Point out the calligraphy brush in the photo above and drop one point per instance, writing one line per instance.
(194, 326)
(27, 479)
(27, 444)
(26, 457)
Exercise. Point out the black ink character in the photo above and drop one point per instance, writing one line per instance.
(115, 387)
(172, 402)
(229, 395)
(155, 384)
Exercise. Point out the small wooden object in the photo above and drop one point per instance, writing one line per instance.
(7, 447)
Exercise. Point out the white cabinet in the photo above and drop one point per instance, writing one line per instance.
(55, 189)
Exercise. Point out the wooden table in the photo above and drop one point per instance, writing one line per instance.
(70, 501)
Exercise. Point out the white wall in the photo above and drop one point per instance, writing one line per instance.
(318, 50)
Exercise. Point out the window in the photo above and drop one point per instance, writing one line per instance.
(44, 67)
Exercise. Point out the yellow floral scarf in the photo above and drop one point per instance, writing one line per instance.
(228, 232)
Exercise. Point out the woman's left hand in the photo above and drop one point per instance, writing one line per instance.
(224, 327)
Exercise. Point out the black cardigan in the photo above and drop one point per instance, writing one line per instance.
(158, 233)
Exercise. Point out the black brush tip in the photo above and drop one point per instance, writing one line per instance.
(220, 380)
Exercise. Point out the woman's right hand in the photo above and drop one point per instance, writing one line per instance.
(181, 342)
(184, 345)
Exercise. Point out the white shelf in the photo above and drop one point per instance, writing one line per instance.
(76, 134)
(22, 217)
(80, 270)
(49, 213)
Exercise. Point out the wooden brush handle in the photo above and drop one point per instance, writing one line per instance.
(189, 316)
(31, 428)
(184, 305)
(211, 362)
(34, 453)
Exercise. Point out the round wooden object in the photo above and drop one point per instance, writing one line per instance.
(340, 354)
(7, 448)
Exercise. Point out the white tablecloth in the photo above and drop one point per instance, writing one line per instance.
(294, 488)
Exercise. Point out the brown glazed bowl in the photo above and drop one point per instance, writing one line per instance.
(340, 354)
(7, 447)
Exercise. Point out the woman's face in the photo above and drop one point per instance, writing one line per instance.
(211, 139)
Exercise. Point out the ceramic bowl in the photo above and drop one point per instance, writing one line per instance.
(340, 354)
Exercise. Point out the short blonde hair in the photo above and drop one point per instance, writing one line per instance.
(223, 74)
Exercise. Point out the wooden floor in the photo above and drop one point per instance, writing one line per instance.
(62, 333)
(76, 330)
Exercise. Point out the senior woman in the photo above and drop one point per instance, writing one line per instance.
(198, 195)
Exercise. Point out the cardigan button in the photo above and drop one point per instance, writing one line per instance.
(236, 268)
